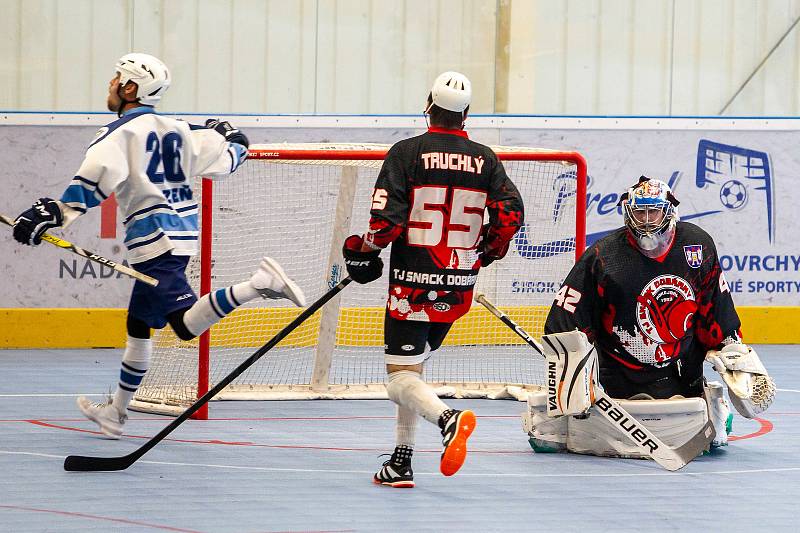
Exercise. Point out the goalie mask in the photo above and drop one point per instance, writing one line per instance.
(149, 73)
(650, 215)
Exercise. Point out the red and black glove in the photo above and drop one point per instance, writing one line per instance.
(362, 267)
(495, 243)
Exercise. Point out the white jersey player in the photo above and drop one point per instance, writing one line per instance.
(147, 160)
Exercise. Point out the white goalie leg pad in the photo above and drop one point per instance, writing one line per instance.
(545, 434)
(674, 421)
(750, 388)
(571, 373)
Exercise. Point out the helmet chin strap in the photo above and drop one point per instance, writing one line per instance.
(123, 102)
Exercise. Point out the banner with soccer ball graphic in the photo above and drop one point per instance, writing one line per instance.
(737, 184)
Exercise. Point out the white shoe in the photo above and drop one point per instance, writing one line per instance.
(270, 281)
(104, 415)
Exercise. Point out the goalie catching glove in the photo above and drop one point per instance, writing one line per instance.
(362, 267)
(750, 388)
(32, 223)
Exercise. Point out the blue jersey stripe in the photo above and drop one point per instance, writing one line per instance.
(80, 195)
(161, 221)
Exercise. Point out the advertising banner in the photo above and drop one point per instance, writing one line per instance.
(740, 186)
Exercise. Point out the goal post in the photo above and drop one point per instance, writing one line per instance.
(297, 203)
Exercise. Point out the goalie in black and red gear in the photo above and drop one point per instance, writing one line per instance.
(429, 202)
(653, 299)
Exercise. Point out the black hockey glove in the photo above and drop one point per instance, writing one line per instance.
(29, 226)
(231, 134)
(363, 267)
(487, 253)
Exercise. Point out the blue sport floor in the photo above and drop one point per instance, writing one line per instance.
(259, 467)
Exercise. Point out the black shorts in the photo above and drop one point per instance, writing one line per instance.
(408, 342)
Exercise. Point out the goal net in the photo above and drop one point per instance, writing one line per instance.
(297, 203)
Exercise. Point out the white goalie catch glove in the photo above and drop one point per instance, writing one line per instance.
(750, 388)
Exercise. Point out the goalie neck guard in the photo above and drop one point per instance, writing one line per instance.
(650, 215)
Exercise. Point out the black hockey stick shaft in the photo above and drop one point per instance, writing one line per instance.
(66, 245)
(79, 463)
(670, 458)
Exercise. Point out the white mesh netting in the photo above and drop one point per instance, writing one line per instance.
(287, 210)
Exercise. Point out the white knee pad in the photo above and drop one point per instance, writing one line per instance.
(406, 388)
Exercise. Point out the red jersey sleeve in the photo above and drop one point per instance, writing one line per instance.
(716, 314)
(389, 211)
(506, 211)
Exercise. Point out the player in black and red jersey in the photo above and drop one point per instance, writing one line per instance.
(429, 202)
(652, 298)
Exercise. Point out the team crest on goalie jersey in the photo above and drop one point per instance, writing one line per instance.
(664, 313)
(694, 255)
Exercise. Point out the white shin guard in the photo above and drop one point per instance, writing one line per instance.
(406, 389)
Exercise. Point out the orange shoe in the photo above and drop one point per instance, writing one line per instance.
(458, 426)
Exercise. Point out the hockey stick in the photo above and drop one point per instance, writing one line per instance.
(670, 458)
(80, 463)
(61, 243)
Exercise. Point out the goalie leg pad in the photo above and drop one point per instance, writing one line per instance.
(674, 421)
(571, 373)
(545, 434)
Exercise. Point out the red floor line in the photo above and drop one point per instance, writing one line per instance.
(766, 427)
(272, 446)
(97, 517)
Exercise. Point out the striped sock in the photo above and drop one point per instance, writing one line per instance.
(135, 362)
(216, 305)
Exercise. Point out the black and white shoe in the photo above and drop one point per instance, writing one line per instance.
(456, 426)
(396, 472)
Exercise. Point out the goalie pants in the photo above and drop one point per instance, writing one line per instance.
(658, 383)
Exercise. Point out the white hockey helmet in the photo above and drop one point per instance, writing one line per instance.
(650, 215)
(148, 72)
(451, 91)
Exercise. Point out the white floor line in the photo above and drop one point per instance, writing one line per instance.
(462, 474)
(788, 390)
(48, 395)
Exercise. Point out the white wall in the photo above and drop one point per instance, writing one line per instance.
(645, 57)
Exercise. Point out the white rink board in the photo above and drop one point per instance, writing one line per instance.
(755, 235)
